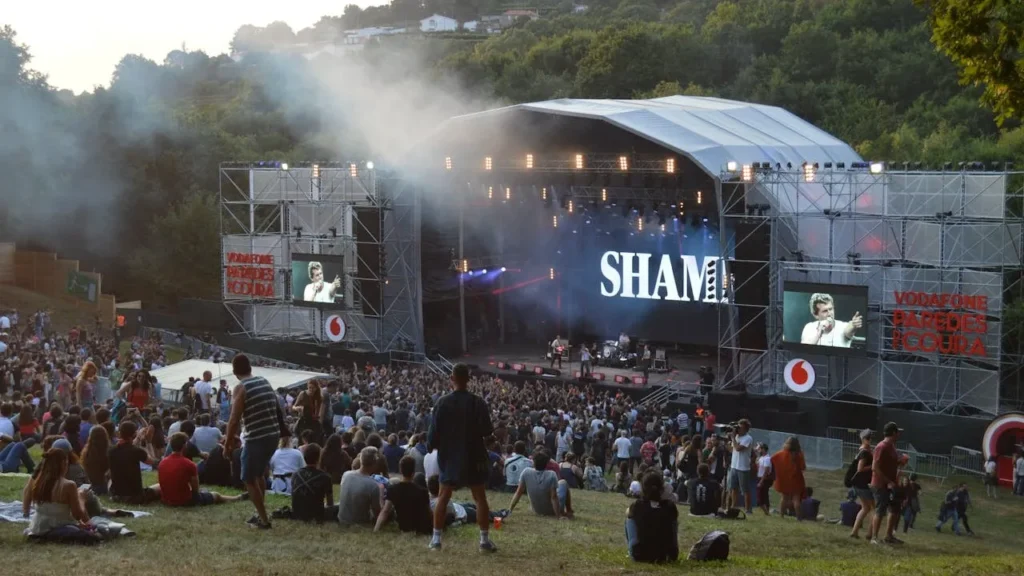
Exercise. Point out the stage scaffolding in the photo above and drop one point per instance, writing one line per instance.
(936, 232)
(330, 208)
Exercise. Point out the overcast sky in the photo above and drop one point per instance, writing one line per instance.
(77, 43)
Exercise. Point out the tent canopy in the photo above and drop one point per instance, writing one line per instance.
(710, 131)
(172, 377)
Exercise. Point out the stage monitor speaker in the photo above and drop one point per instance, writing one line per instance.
(545, 371)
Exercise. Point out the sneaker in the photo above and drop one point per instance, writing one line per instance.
(855, 536)
(488, 547)
(243, 497)
(893, 540)
(873, 541)
(260, 525)
(434, 546)
(254, 519)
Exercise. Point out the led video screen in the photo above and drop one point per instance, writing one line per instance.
(318, 280)
(825, 318)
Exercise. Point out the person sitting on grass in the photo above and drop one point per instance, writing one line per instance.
(652, 523)
(179, 479)
(125, 474)
(623, 478)
(549, 496)
(408, 501)
(58, 504)
(311, 487)
(457, 513)
(359, 500)
(594, 476)
(850, 509)
(285, 462)
(13, 454)
(96, 459)
(705, 493)
(810, 505)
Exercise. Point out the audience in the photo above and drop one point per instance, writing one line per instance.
(705, 493)
(652, 523)
(360, 498)
(285, 462)
(58, 507)
(96, 459)
(125, 474)
(548, 495)
(312, 488)
(409, 502)
(179, 479)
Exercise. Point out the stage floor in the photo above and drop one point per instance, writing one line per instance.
(682, 369)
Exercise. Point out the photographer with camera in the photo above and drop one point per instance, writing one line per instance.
(738, 481)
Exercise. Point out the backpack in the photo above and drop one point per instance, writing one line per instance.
(851, 471)
(118, 410)
(712, 546)
(731, 514)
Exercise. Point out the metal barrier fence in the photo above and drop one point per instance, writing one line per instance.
(967, 461)
(819, 453)
(929, 465)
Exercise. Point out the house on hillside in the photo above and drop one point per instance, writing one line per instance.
(438, 23)
(510, 17)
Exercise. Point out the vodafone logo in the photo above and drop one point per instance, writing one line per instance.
(799, 375)
(334, 327)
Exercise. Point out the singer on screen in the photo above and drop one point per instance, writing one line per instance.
(825, 330)
(317, 290)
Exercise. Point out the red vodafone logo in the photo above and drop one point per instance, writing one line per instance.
(799, 375)
(334, 327)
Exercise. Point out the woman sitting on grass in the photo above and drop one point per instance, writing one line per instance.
(652, 523)
(95, 460)
(59, 511)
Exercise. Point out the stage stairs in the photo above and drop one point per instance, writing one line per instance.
(439, 365)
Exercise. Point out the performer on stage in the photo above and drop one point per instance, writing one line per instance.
(825, 330)
(317, 290)
(646, 361)
(623, 342)
(556, 351)
(585, 361)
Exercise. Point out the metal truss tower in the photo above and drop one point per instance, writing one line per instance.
(954, 232)
(366, 216)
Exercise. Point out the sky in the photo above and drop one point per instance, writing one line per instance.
(78, 44)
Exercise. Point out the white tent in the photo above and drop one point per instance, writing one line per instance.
(173, 377)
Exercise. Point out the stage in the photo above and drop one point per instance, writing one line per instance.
(683, 370)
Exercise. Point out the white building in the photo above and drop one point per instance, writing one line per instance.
(438, 23)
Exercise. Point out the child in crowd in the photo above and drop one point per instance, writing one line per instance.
(810, 505)
(594, 476)
(623, 478)
(849, 509)
(911, 501)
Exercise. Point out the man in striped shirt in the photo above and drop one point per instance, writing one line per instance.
(254, 406)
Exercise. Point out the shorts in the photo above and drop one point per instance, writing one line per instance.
(562, 490)
(763, 497)
(202, 498)
(738, 480)
(884, 501)
(864, 494)
(460, 474)
(256, 456)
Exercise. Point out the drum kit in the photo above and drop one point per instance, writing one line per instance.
(614, 355)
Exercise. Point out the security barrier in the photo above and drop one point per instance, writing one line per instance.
(967, 461)
(819, 453)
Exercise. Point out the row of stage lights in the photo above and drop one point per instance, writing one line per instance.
(353, 167)
(464, 268)
(576, 161)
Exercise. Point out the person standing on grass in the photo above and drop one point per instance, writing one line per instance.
(991, 479)
(861, 484)
(738, 479)
(884, 472)
(461, 421)
(254, 408)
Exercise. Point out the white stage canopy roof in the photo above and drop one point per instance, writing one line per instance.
(710, 131)
(173, 377)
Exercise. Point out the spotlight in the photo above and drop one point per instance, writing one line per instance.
(447, 162)
(284, 166)
(298, 232)
(670, 165)
(502, 268)
(465, 266)
(640, 223)
(529, 161)
(579, 161)
(551, 273)
(604, 194)
(484, 271)
(353, 170)
(569, 206)
(490, 192)
(699, 197)
(731, 166)
(554, 221)
(316, 171)
(748, 173)
(808, 172)
(508, 193)
(334, 232)
(877, 167)
(623, 163)
(369, 165)
(704, 220)
(544, 194)
(488, 163)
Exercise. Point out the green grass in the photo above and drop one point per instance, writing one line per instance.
(216, 541)
(173, 353)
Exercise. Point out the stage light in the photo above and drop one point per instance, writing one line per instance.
(488, 163)
(298, 232)
(554, 221)
(604, 195)
(369, 165)
(544, 194)
(579, 161)
(529, 161)
(662, 228)
(508, 193)
(334, 232)
(623, 163)
(316, 170)
(490, 192)
(569, 206)
(670, 165)
(484, 271)
(551, 273)
(502, 268)
(877, 167)
(465, 266)
(699, 197)
(447, 162)
(808, 172)
(353, 170)
(284, 166)
(705, 220)
(640, 223)
(748, 173)
(731, 166)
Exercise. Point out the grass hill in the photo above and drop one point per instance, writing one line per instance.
(64, 316)
(187, 542)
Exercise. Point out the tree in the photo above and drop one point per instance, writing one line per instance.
(985, 39)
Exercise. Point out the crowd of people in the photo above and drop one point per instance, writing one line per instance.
(398, 442)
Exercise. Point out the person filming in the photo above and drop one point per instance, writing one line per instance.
(825, 330)
(317, 290)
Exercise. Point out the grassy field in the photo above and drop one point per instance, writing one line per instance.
(217, 541)
(66, 313)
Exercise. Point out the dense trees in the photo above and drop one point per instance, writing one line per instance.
(144, 149)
